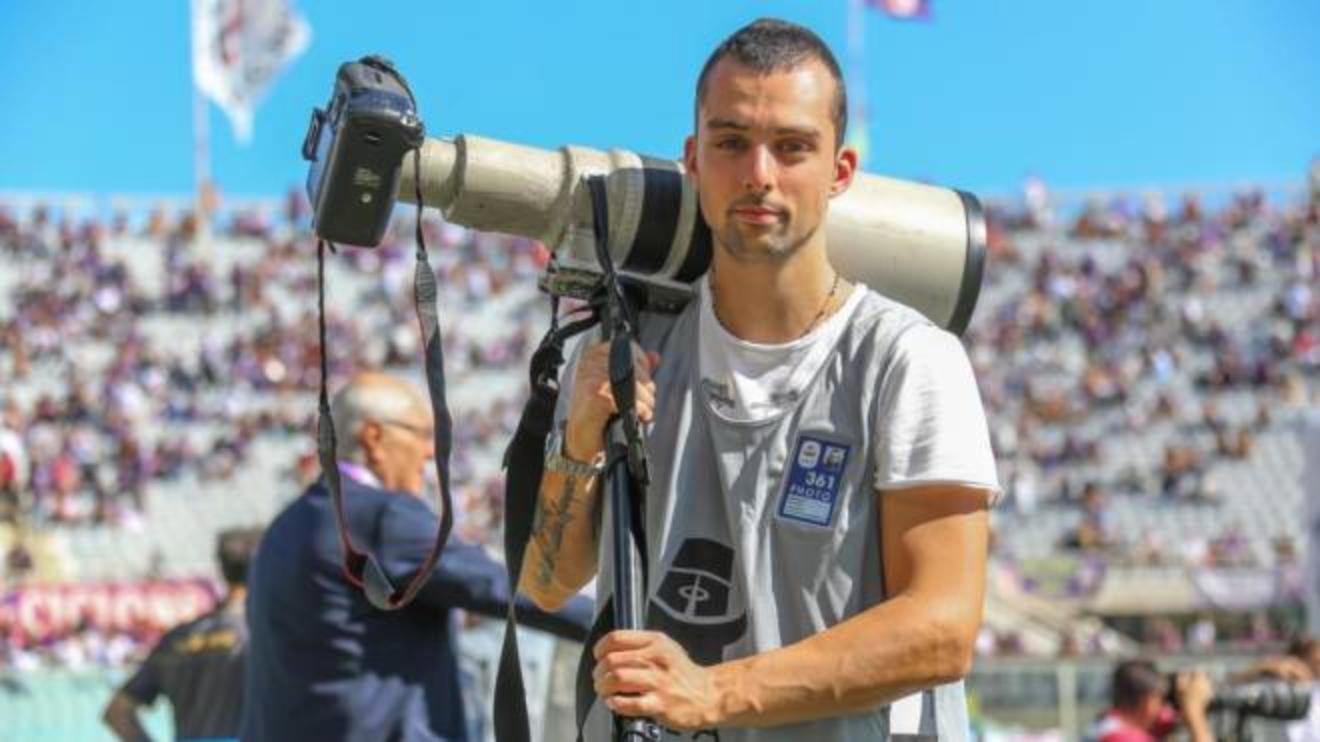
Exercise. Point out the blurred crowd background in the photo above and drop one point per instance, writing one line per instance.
(1147, 361)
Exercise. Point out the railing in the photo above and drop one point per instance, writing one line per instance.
(1066, 695)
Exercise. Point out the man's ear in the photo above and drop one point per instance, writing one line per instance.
(368, 438)
(845, 169)
(690, 158)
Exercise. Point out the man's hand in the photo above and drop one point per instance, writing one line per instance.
(645, 673)
(1286, 668)
(121, 716)
(592, 402)
(1194, 692)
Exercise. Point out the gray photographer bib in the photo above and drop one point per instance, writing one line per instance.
(762, 534)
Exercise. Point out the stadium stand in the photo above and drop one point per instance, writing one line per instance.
(1145, 373)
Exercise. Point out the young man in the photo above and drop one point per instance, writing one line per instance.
(199, 665)
(820, 466)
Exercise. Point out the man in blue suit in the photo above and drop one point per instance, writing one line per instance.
(323, 664)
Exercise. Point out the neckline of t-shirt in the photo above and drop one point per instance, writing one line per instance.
(714, 416)
(831, 323)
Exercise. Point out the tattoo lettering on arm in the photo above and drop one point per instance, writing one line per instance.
(551, 522)
(597, 517)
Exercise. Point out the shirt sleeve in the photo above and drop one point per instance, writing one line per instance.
(144, 685)
(932, 423)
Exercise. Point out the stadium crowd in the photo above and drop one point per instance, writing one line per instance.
(84, 446)
(1108, 332)
(131, 357)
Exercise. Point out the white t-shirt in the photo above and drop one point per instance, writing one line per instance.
(937, 432)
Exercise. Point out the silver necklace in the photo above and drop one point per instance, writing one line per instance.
(824, 305)
(829, 298)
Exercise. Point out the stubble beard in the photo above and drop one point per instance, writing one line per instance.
(777, 248)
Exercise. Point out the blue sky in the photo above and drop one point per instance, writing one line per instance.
(97, 94)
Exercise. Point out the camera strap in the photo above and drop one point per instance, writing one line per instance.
(621, 326)
(361, 568)
(524, 465)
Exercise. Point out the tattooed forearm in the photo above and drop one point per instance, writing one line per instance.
(597, 515)
(551, 522)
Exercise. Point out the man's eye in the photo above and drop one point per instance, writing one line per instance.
(729, 144)
(794, 147)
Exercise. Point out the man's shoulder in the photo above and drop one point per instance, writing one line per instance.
(654, 329)
(356, 495)
(201, 633)
(309, 515)
(882, 328)
(885, 311)
(1110, 728)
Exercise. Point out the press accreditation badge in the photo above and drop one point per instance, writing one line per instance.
(815, 476)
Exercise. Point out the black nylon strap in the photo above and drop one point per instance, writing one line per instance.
(524, 464)
(586, 687)
(361, 568)
(620, 323)
(354, 560)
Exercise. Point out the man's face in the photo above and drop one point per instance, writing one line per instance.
(764, 159)
(404, 446)
(1150, 709)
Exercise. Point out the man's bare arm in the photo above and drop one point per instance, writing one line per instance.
(561, 555)
(121, 716)
(934, 542)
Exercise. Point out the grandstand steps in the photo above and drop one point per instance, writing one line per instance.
(176, 536)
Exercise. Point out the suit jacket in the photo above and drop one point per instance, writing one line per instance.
(323, 664)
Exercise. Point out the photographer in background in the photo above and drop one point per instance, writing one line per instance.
(1300, 664)
(1139, 709)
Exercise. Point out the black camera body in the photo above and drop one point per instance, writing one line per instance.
(356, 146)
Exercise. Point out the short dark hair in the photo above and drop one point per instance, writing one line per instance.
(234, 549)
(771, 45)
(1133, 681)
(1302, 645)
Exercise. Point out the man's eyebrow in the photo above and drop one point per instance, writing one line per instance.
(726, 124)
(802, 131)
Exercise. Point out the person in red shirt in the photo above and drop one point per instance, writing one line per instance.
(1141, 711)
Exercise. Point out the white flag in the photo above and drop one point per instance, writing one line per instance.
(239, 47)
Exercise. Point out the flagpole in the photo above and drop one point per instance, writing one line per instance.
(857, 79)
(201, 144)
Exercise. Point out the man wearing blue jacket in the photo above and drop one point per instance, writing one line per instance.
(323, 663)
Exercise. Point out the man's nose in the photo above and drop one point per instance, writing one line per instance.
(760, 169)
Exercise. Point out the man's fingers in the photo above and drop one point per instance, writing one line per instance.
(604, 394)
(626, 680)
(645, 657)
(646, 704)
(645, 399)
(1295, 669)
(622, 640)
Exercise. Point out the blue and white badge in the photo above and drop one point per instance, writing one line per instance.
(815, 475)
